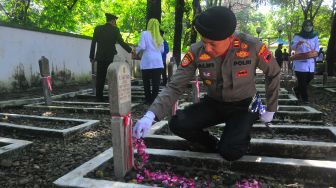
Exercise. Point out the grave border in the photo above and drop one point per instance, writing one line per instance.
(308, 147)
(84, 125)
(75, 178)
(20, 102)
(14, 147)
(330, 90)
(41, 105)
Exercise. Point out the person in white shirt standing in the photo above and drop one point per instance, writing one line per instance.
(306, 43)
(151, 47)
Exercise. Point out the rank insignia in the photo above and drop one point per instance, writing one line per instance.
(244, 46)
(242, 73)
(187, 59)
(242, 54)
(204, 57)
(236, 43)
(208, 82)
(265, 53)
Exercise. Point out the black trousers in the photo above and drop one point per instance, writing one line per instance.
(164, 74)
(151, 77)
(235, 139)
(303, 80)
(100, 79)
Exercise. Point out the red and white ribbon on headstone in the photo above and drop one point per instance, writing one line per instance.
(48, 80)
(197, 88)
(128, 122)
(174, 108)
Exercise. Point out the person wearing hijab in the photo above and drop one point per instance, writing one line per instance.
(151, 47)
(304, 42)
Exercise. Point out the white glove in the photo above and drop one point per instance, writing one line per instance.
(142, 127)
(266, 117)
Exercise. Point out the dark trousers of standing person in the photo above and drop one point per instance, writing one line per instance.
(151, 77)
(164, 74)
(235, 139)
(303, 80)
(100, 79)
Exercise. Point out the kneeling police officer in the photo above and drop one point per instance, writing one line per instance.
(227, 63)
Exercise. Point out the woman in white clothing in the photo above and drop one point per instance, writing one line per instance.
(151, 46)
(306, 42)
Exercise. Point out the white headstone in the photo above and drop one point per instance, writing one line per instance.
(119, 81)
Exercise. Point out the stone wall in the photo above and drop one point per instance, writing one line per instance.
(21, 48)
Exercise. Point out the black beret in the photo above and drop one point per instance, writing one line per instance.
(216, 23)
(110, 17)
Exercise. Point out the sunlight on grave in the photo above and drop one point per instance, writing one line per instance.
(91, 134)
(258, 159)
(48, 114)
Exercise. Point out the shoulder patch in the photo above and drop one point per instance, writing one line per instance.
(187, 59)
(204, 57)
(265, 53)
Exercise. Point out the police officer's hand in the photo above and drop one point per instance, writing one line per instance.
(266, 117)
(142, 127)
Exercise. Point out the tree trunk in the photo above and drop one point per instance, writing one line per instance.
(179, 7)
(331, 51)
(154, 10)
(26, 12)
(196, 10)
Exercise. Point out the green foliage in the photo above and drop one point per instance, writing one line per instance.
(248, 20)
(81, 16)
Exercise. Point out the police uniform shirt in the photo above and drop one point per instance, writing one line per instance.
(306, 65)
(229, 80)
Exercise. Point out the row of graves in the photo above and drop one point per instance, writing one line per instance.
(297, 150)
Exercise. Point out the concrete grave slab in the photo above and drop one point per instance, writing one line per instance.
(318, 172)
(306, 145)
(75, 125)
(11, 148)
(79, 107)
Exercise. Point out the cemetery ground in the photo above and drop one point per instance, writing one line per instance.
(49, 158)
